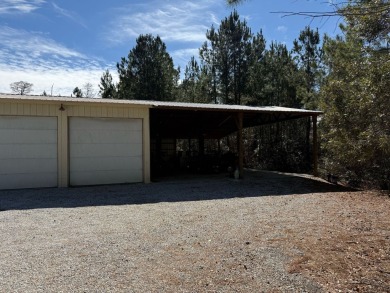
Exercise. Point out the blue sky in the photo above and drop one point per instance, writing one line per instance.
(68, 43)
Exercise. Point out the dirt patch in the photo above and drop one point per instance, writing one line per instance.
(350, 251)
(270, 232)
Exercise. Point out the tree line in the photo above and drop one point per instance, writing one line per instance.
(234, 66)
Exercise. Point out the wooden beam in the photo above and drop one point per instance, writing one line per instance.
(240, 144)
(315, 146)
(224, 121)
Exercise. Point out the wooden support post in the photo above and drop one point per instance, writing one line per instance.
(201, 153)
(201, 145)
(240, 144)
(158, 166)
(315, 146)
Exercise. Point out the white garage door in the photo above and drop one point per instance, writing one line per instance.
(105, 151)
(28, 152)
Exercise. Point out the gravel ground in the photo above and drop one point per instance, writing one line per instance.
(204, 234)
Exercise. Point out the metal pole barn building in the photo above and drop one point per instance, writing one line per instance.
(63, 141)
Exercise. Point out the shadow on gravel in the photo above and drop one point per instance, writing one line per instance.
(170, 189)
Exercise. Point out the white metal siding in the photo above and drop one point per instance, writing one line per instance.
(28, 152)
(105, 150)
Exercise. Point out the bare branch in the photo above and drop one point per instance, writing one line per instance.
(340, 11)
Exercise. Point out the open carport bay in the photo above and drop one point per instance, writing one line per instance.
(270, 232)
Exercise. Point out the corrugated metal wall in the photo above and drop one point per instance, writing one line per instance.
(65, 109)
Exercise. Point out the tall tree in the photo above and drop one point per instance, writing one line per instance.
(369, 20)
(209, 72)
(355, 99)
(196, 85)
(21, 87)
(284, 76)
(274, 78)
(308, 57)
(257, 71)
(77, 92)
(148, 72)
(191, 81)
(107, 86)
(228, 53)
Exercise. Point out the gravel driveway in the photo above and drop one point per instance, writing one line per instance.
(204, 234)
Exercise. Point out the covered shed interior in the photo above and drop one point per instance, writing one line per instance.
(200, 128)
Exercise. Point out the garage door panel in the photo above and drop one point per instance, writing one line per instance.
(28, 180)
(25, 136)
(105, 177)
(29, 166)
(28, 152)
(95, 136)
(117, 150)
(105, 150)
(106, 124)
(19, 123)
(106, 163)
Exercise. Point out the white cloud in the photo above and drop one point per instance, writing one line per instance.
(63, 80)
(40, 60)
(32, 43)
(281, 28)
(69, 14)
(184, 21)
(19, 6)
(182, 56)
(246, 17)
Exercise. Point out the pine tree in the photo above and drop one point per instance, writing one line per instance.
(308, 57)
(191, 81)
(106, 86)
(355, 100)
(77, 92)
(148, 72)
(227, 55)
